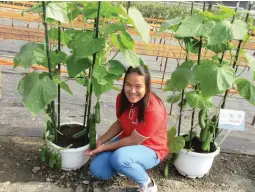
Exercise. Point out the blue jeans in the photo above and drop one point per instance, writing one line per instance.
(131, 161)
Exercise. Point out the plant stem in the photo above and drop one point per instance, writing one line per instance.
(182, 96)
(46, 39)
(59, 48)
(192, 8)
(198, 62)
(128, 5)
(234, 16)
(210, 6)
(86, 107)
(204, 6)
(222, 57)
(94, 61)
(237, 52)
(49, 65)
(185, 49)
(180, 117)
(240, 41)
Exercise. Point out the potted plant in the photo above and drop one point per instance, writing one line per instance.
(213, 45)
(87, 63)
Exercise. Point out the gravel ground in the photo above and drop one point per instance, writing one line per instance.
(22, 170)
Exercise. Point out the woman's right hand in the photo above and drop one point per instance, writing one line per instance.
(98, 144)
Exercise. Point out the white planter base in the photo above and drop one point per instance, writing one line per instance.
(194, 165)
(72, 158)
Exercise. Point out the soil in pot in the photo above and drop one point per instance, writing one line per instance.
(66, 139)
(196, 146)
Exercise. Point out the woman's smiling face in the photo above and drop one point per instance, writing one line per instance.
(134, 87)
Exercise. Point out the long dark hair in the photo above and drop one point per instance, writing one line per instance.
(144, 102)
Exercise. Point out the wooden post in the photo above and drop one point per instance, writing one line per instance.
(253, 121)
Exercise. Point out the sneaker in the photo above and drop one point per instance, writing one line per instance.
(151, 187)
(121, 175)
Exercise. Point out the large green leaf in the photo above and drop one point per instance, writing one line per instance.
(132, 58)
(86, 45)
(205, 29)
(171, 133)
(193, 79)
(189, 26)
(113, 28)
(106, 10)
(57, 57)
(29, 54)
(250, 61)
(175, 97)
(113, 77)
(196, 100)
(239, 29)
(214, 78)
(75, 65)
(137, 20)
(64, 38)
(90, 10)
(123, 41)
(169, 85)
(218, 48)
(194, 26)
(120, 12)
(181, 77)
(246, 90)
(101, 86)
(169, 23)
(225, 31)
(225, 9)
(57, 11)
(192, 45)
(37, 90)
(56, 79)
(82, 78)
(126, 40)
(116, 67)
(72, 14)
(37, 8)
(64, 86)
(73, 33)
(175, 144)
(99, 71)
(115, 39)
(218, 16)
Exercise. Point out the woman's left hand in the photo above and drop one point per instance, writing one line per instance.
(99, 149)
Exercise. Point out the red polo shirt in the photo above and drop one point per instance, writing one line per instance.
(154, 126)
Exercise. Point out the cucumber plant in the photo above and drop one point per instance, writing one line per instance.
(87, 60)
(200, 78)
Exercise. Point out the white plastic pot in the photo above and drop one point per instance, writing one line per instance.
(193, 165)
(72, 158)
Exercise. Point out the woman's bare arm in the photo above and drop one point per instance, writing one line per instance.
(133, 139)
(113, 131)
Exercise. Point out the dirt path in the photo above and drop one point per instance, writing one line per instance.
(21, 170)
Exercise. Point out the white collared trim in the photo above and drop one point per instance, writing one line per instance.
(140, 134)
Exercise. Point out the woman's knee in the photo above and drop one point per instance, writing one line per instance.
(99, 167)
(120, 160)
